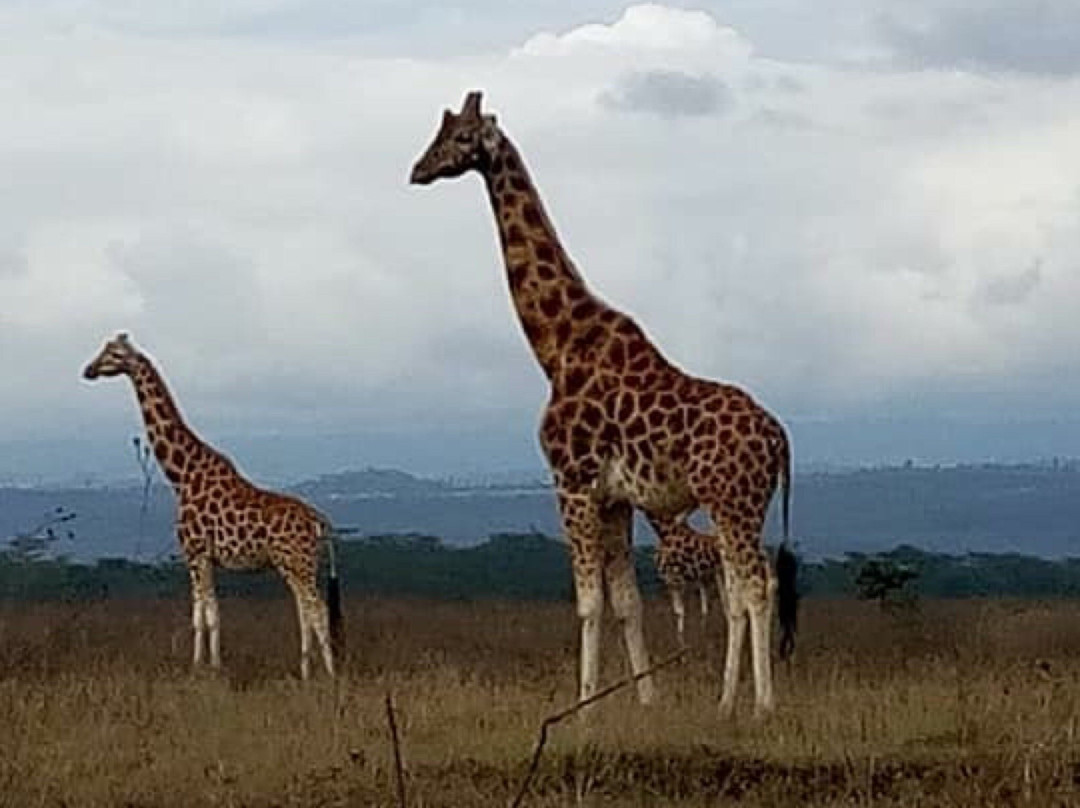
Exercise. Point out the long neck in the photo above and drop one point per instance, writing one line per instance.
(175, 445)
(549, 293)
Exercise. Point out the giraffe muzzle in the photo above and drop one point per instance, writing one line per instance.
(420, 175)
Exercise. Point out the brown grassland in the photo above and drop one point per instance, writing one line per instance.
(958, 704)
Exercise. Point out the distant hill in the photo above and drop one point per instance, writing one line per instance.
(369, 482)
(1030, 509)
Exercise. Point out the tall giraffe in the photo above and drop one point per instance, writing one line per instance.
(225, 520)
(623, 427)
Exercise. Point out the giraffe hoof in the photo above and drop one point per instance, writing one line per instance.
(647, 692)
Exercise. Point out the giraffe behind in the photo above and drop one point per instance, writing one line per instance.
(225, 520)
(686, 558)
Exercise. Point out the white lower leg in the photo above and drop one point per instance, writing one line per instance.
(736, 631)
(305, 641)
(679, 608)
(322, 636)
(590, 606)
(198, 630)
(212, 618)
(626, 602)
(760, 622)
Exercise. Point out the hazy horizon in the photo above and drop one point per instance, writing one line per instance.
(490, 453)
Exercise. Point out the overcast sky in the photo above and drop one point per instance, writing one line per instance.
(865, 212)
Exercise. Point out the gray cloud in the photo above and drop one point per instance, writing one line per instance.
(781, 119)
(1008, 35)
(1011, 289)
(238, 201)
(668, 93)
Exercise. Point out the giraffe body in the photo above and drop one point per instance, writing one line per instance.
(225, 520)
(623, 427)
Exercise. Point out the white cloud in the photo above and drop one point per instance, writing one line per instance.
(649, 28)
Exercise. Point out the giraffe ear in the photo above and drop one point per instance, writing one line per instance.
(471, 107)
(447, 117)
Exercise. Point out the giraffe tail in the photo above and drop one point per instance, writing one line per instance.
(787, 565)
(335, 614)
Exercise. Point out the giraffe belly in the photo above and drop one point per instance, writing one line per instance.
(238, 552)
(654, 493)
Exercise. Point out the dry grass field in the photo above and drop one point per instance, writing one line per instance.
(961, 704)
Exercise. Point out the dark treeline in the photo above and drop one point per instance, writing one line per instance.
(521, 567)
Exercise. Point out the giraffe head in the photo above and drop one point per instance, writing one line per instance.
(464, 142)
(116, 356)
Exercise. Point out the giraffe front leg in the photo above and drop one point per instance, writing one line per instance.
(212, 620)
(202, 591)
(581, 526)
(589, 588)
(616, 528)
(626, 603)
(198, 629)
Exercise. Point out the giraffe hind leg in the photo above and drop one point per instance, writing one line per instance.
(761, 621)
(678, 607)
(311, 612)
(319, 620)
(305, 631)
(748, 592)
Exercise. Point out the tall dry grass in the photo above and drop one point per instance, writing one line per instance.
(968, 703)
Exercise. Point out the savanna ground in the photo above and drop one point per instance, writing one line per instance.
(959, 704)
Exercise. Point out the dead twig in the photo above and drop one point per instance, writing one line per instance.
(562, 715)
(399, 768)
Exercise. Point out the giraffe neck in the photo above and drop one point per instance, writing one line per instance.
(175, 445)
(548, 292)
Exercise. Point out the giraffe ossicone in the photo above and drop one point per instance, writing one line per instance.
(623, 427)
(225, 520)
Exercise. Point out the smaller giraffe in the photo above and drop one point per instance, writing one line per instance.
(686, 557)
(224, 520)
